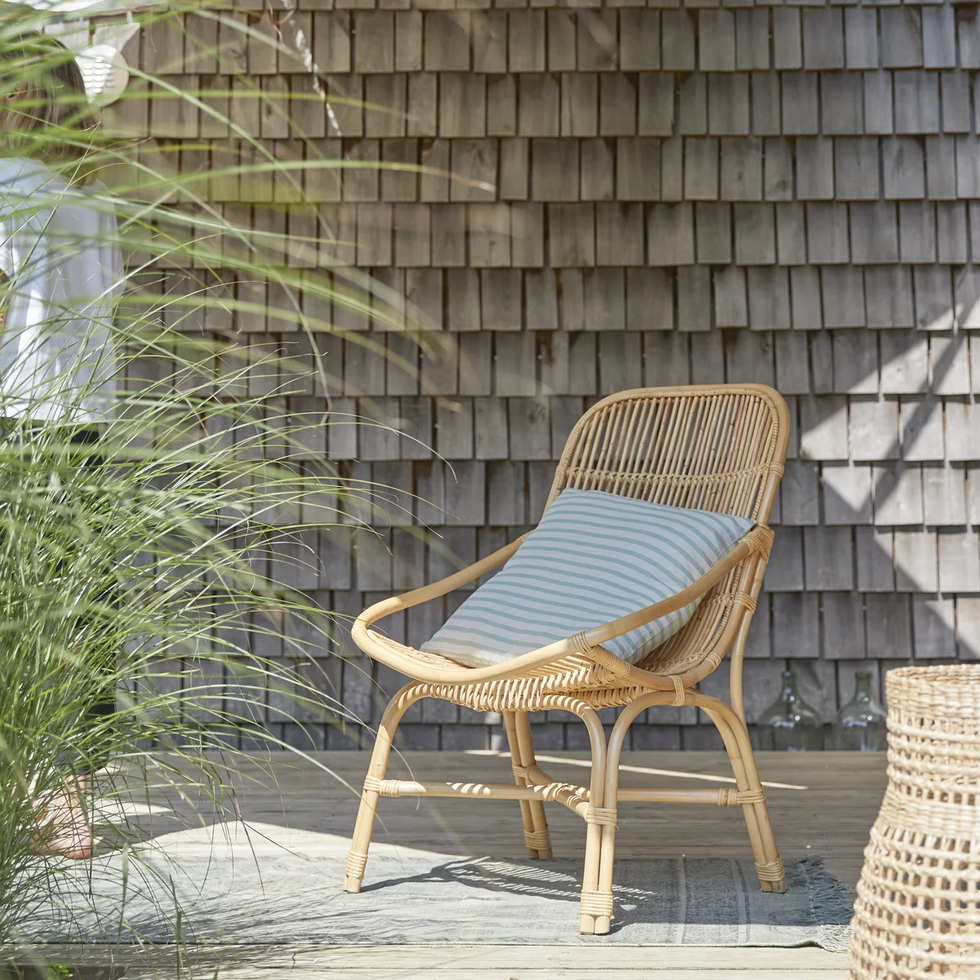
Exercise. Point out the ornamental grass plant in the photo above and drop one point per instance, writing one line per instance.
(141, 567)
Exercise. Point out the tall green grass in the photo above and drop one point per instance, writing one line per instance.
(142, 562)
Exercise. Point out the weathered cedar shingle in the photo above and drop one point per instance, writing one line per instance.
(823, 39)
(815, 169)
(828, 561)
(860, 37)
(693, 298)
(766, 104)
(579, 104)
(731, 301)
(374, 41)
(488, 30)
(639, 40)
(422, 105)
(755, 234)
(716, 40)
(692, 105)
(554, 170)
(787, 38)
(596, 41)
(447, 40)
(649, 300)
(619, 234)
(916, 102)
(489, 237)
(408, 40)
(954, 92)
(538, 106)
(901, 37)
(678, 41)
(874, 233)
(800, 103)
(903, 167)
(561, 40)
(856, 169)
(769, 306)
(526, 40)
(670, 235)
(827, 233)
(656, 105)
(841, 104)
(502, 106)
(728, 105)
(617, 104)
(741, 169)
(637, 169)
(751, 39)
(462, 104)
(777, 170)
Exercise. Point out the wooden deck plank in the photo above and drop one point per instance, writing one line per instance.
(465, 962)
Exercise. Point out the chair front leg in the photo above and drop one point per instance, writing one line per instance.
(518, 728)
(361, 840)
(596, 904)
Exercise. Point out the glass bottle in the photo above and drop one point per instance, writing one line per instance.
(860, 724)
(789, 724)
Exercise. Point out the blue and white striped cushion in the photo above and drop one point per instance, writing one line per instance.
(594, 557)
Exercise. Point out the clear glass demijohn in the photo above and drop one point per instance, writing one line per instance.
(860, 724)
(789, 724)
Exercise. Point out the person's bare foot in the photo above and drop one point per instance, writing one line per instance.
(64, 826)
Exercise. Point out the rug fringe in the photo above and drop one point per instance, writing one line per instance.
(831, 903)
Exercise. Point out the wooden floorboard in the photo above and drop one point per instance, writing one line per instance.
(820, 804)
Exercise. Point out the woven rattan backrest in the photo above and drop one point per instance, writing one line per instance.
(718, 448)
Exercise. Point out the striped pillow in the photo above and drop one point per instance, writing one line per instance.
(594, 557)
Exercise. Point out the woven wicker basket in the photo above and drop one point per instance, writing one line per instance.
(918, 907)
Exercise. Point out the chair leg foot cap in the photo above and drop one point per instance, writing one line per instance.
(774, 886)
(352, 885)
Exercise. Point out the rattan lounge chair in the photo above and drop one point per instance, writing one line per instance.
(719, 448)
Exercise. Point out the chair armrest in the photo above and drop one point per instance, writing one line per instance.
(435, 589)
(756, 541)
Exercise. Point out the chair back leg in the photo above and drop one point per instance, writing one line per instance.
(768, 864)
(361, 841)
(518, 728)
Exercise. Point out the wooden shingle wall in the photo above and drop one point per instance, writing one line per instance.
(656, 194)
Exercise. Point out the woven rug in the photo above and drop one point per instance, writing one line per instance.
(278, 896)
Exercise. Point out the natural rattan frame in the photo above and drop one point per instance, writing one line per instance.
(719, 448)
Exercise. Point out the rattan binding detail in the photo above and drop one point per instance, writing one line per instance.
(356, 863)
(384, 787)
(602, 815)
(597, 903)
(770, 872)
(537, 839)
(680, 694)
(733, 797)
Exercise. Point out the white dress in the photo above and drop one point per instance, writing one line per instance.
(59, 249)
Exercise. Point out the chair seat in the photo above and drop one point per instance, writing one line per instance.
(695, 646)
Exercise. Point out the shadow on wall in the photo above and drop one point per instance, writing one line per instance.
(876, 555)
